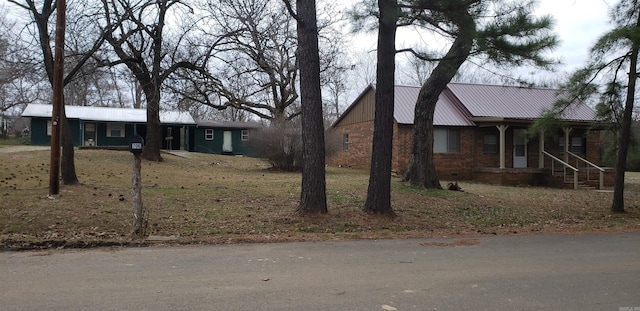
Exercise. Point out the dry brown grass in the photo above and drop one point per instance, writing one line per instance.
(224, 199)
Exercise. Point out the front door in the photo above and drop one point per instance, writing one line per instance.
(519, 148)
(90, 134)
(227, 143)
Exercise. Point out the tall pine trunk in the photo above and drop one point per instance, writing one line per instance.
(313, 195)
(379, 191)
(625, 134)
(421, 169)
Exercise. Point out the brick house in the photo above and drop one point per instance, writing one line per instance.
(480, 133)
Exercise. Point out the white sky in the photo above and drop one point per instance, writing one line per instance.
(578, 24)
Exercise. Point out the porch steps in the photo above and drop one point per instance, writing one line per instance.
(583, 183)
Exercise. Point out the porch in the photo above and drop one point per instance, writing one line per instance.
(563, 159)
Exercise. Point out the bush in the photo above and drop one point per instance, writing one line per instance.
(281, 145)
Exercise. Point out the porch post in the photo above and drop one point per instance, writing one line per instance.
(503, 129)
(540, 150)
(567, 131)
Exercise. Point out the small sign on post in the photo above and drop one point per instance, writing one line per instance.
(136, 143)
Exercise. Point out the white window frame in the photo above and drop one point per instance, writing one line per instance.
(245, 135)
(49, 127)
(115, 126)
(208, 134)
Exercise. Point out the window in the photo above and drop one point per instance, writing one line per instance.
(208, 134)
(577, 145)
(245, 134)
(115, 129)
(490, 144)
(446, 140)
(345, 142)
(49, 128)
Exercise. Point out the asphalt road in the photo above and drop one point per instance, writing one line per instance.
(545, 272)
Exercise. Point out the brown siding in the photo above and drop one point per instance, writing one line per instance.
(362, 111)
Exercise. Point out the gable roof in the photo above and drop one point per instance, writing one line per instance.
(447, 112)
(465, 104)
(512, 102)
(108, 114)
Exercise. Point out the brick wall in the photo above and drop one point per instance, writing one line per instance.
(460, 165)
(360, 145)
(449, 166)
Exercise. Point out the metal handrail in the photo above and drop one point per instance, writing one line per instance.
(601, 179)
(566, 165)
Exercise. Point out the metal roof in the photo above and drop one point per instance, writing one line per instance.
(512, 102)
(108, 114)
(446, 114)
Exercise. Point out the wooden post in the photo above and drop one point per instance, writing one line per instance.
(541, 150)
(136, 144)
(136, 198)
(57, 99)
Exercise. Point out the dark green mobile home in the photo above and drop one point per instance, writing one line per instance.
(223, 137)
(108, 126)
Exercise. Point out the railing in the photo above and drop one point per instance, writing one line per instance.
(566, 166)
(589, 165)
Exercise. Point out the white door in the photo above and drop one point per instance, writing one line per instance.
(227, 142)
(519, 148)
(90, 134)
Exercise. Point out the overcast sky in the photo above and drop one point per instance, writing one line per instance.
(578, 24)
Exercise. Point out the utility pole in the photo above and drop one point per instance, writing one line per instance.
(57, 99)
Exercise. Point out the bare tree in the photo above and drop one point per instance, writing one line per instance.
(137, 32)
(18, 75)
(41, 14)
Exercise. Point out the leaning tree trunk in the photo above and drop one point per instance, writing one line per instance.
(421, 169)
(67, 162)
(625, 134)
(313, 199)
(379, 191)
(153, 139)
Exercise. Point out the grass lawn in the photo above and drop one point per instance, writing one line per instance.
(225, 199)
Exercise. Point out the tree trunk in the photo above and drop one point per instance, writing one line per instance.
(421, 169)
(313, 198)
(67, 163)
(153, 140)
(625, 135)
(379, 191)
